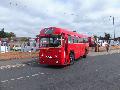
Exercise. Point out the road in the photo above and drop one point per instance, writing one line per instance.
(100, 72)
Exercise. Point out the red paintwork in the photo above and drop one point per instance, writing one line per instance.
(61, 54)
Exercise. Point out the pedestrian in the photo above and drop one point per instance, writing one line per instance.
(95, 45)
(106, 46)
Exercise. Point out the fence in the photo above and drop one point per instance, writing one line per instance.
(21, 47)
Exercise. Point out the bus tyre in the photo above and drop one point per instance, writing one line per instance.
(85, 55)
(72, 58)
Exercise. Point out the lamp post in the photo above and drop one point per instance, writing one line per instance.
(113, 20)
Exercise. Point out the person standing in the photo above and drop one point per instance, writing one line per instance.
(106, 45)
(96, 45)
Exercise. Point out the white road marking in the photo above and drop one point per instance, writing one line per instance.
(4, 81)
(19, 78)
(8, 66)
(12, 79)
(35, 75)
(42, 73)
(23, 65)
(12, 66)
(27, 76)
(1, 68)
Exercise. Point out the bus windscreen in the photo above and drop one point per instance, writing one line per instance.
(52, 41)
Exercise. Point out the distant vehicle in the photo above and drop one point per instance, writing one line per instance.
(113, 43)
(91, 41)
(61, 47)
(17, 48)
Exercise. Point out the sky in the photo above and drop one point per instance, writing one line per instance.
(28, 17)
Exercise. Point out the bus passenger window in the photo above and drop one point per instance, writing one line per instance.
(85, 40)
(75, 40)
(80, 40)
(57, 42)
(70, 40)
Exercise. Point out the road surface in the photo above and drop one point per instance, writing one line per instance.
(96, 72)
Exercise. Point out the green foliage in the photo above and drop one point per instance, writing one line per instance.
(4, 34)
(95, 37)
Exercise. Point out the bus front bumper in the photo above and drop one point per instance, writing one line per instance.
(52, 61)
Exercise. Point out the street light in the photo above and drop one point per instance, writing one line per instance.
(113, 20)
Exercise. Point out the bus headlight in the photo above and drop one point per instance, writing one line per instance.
(56, 61)
(42, 55)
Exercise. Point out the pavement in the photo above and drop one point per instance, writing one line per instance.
(99, 71)
(92, 53)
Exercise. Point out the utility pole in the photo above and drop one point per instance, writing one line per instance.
(113, 20)
(114, 27)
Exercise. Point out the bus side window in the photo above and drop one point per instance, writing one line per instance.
(75, 40)
(70, 39)
(80, 40)
(85, 40)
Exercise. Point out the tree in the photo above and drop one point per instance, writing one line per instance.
(12, 34)
(4, 34)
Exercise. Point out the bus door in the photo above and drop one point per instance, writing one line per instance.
(65, 45)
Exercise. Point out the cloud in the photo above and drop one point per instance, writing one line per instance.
(27, 17)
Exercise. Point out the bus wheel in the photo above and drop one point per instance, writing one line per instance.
(72, 58)
(85, 55)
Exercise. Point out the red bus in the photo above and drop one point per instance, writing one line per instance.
(61, 47)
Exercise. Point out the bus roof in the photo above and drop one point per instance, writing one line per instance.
(58, 31)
